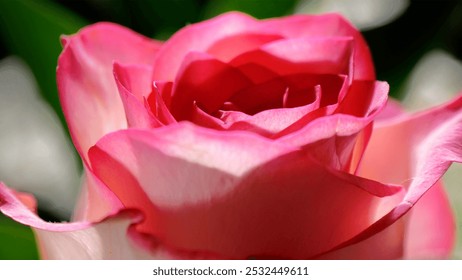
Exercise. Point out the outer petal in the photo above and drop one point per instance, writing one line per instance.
(385, 245)
(111, 238)
(415, 151)
(427, 231)
(86, 84)
(234, 194)
(431, 230)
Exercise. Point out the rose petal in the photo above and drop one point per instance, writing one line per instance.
(427, 231)
(431, 231)
(229, 47)
(338, 140)
(159, 101)
(198, 37)
(230, 193)
(271, 121)
(337, 151)
(135, 78)
(258, 74)
(319, 55)
(86, 82)
(201, 118)
(416, 151)
(26, 199)
(111, 238)
(325, 25)
(273, 93)
(135, 85)
(95, 201)
(300, 97)
(384, 245)
(316, 127)
(393, 109)
(107, 240)
(205, 81)
(363, 98)
(241, 121)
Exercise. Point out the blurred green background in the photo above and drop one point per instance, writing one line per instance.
(407, 38)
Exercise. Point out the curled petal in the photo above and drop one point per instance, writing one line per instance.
(107, 240)
(110, 238)
(135, 85)
(363, 99)
(415, 151)
(426, 232)
(159, 102)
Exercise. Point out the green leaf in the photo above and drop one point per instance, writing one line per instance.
(17, 241)
(31, 30)
(256, 8)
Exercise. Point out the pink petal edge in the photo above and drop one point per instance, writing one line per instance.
(86, 83)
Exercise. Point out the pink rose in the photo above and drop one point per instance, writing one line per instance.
(240, 138)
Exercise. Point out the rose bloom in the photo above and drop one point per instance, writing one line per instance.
(239, 138)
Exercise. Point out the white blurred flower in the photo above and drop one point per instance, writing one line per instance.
(35, 155)
(364, 14)
(437, 78)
